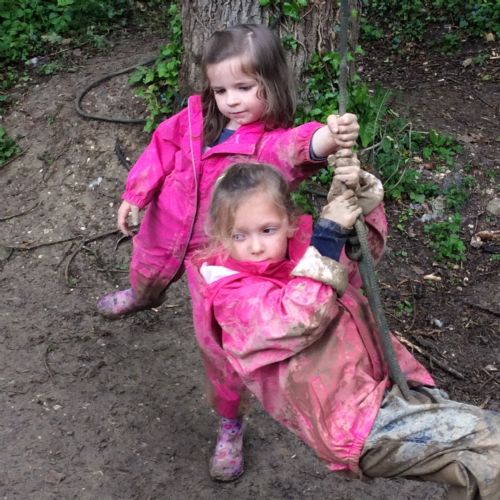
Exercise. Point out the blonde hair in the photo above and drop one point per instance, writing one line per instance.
(235, 185)
(262, 57)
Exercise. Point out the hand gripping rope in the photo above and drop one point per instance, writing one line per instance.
(366, 264)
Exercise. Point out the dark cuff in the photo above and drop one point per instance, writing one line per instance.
(329, 238)
(313, 156)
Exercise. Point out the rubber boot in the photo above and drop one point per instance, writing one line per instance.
(121, 303)
(227, 462)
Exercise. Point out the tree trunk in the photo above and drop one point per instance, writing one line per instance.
(316, 31)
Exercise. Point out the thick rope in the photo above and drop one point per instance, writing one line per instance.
(366, 264)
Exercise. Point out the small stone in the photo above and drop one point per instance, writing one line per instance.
(54, 477)
(437, 322)
(493, 207)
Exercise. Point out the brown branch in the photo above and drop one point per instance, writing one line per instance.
(120, 240)
(46, 362)
(20, 213)
(57, 242)
(65, 254)
(430, 357)
(40, 245)
(481, 308)
(68, 263)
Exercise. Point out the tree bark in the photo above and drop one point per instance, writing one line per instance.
(316, 31)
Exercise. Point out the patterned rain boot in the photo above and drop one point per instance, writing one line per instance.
(118, 304)
(226, 463)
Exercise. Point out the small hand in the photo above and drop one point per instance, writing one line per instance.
(347, 168)
(125, 209)
(345, 129)
(343, 209)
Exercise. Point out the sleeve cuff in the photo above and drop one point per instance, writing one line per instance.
(313, 156)
(315, 266)
(329, 238)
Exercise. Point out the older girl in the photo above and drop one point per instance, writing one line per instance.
(244, 113)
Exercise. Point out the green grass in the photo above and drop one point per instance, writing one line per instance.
(8, 147)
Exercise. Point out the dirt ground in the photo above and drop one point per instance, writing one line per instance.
(115, 410)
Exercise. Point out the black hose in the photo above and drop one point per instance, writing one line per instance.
(97, 82)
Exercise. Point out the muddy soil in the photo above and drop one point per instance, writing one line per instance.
(115, 410)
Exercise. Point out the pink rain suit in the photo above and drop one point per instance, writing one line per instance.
(175, 176)
(311, 357)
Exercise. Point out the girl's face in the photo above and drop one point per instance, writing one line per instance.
(261, 230)
(235, 92)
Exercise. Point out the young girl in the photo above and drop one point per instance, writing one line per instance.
(244, 113)
(277, 307)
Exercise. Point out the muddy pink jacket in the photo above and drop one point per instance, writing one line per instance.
(168, 177)
(312, 358)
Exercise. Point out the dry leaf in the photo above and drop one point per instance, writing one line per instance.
(432, 277)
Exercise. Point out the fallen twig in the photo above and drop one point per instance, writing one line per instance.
(119, 240)
(40, 245)
(68, 263)
(20, 213)
(65, 254)
(46, 362)
(57, 242)
(430, 357)
(121, 155)
(481, 308)
(491, 378)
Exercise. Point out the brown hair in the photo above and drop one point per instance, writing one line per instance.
(262, 57)
(238, 182)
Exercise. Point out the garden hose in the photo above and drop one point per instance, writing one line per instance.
(366, 264)
(97, 82)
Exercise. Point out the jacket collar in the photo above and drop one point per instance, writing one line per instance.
(243, 141)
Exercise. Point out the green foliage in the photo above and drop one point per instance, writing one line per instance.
(442, 147)
(23, 22)
(457, 195)
(445, 239)
(404, 216)
(409, 21)
(398, 159)
(51, 68)
(398, 153)
(448, 43)
(301, 199)
(404, 308)
(32, 26)
(290, 9)
(8, 147)
(491, 174)
(321, 96)
(159, 85)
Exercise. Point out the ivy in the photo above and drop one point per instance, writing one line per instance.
(406, 21)
(159, 85)
(291, 9)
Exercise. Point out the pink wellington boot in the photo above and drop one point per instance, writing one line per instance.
(226, 463)
(119, 304)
